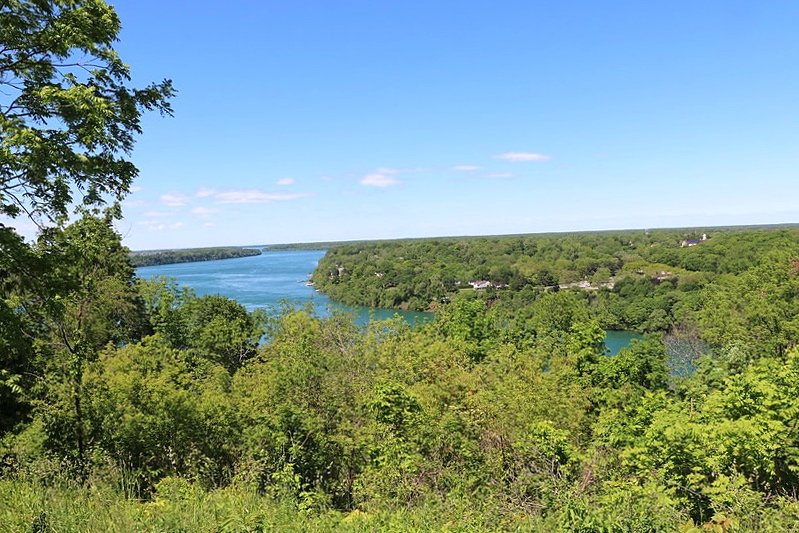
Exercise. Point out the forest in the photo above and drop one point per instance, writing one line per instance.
(133, 405)
(189, 255)
(644, 280)
(137, 405)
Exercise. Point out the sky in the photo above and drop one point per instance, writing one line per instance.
(308, 121)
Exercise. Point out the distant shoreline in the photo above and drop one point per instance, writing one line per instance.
(190, 255)
(325, 245)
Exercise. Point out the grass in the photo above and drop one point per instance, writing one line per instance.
(184, 508)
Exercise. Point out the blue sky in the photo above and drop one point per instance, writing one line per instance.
(316, 120)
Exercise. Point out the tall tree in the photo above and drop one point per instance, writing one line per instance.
(88, 300)
(68, 117)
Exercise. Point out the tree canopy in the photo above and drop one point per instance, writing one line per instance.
(68, 114)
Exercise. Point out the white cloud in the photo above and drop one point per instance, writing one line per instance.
(160, 226)
(156, 214)
(285, 181)
(204, 211)
(387, 170)
(496, 175)
(135, 189)
(209, 225)
(379, 179)
(465, 168)
(174, 200)
(517, 157)
(205, 192)
(253, 196)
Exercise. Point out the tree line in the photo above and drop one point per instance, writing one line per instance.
(647, 281)
(190, 255)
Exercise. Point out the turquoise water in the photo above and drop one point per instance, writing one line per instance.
(272, 278)
(615, 340)
(267, 281)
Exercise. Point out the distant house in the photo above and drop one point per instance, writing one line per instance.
(480, 284)
(693, 242)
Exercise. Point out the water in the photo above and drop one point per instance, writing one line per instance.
(272, 278)
(615, 340)
(267, 281)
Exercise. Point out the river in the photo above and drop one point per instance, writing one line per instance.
(273, 278)
(267, 281)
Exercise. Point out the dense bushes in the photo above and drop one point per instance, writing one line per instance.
(481, 419)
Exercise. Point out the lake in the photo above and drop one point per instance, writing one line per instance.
(272, 278)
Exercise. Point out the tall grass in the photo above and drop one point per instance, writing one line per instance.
(181, 507)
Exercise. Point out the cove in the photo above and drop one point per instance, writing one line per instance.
(268, 281)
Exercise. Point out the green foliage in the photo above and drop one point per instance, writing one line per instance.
(294, 399)
(67, 112)
(759, 307)
(468, 323)
(190, 255)
(340, 428)
(142, 407)
(210, 327)
(642, 365)
(495, 415)
(83, 300)
(68, 120)
(154, 413)
(646, 281)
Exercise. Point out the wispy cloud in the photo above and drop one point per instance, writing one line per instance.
(517, 157)
(253, 196)
(204, 211)
(135, 189)
(498, 175)
(285, 181)
(466, 168)
(379, 179)
(388, 170)
(205, 192)
(161, 226)
(174, 200)
(156, 214)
